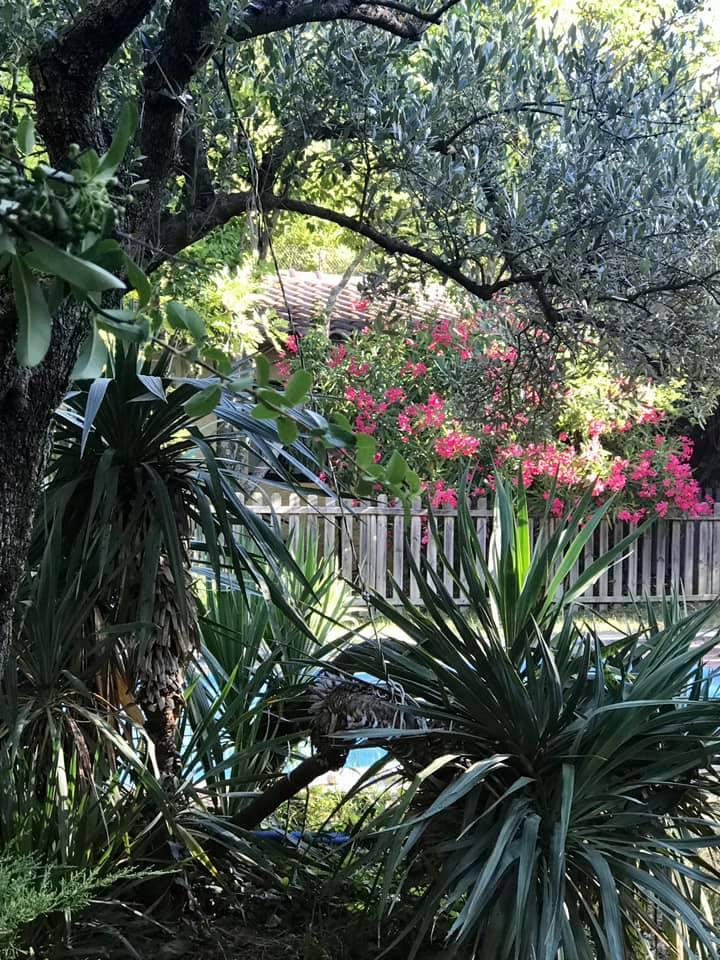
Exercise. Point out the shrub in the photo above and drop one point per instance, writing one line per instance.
(31, 891)
(490, 390)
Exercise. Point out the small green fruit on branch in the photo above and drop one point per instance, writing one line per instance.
(55, 237)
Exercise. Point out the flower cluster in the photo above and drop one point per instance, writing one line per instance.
(407, 386)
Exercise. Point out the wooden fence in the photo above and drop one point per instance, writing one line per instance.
(369, 548)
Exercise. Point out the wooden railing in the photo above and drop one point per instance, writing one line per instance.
(368, 547)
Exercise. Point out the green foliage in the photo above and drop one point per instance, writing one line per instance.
(223, 290)
(314, 245)
(517, 147)
(571, 796)
(325, 808)
(30, 891)
(57, 224)
(255, 661)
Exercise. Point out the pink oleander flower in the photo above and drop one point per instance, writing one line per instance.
(394, 394)
(441, 336)
(632, 516)
(356, 369)
(454, 445)
(404, 423)
(337, 356)
(557, 508)
(443, 496)
(415, 370)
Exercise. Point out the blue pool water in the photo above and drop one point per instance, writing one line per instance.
(360, 759)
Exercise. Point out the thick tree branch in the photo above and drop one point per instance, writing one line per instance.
(402, 20)
(390, 244)
(184, 46)
(284, 789)
(180, 230)
(65, 72)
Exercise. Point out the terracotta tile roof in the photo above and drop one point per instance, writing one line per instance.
(314, 297)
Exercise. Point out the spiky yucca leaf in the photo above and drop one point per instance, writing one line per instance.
(131, 463)
(577, 795)
(247, 704)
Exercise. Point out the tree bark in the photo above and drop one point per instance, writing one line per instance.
(28, 400)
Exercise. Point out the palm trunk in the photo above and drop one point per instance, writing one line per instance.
(161, 664)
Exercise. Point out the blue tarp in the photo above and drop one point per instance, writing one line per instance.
(296, 837)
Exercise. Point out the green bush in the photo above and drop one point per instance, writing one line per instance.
(31, 891)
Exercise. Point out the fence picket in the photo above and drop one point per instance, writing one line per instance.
(646, 582)
(603, 581)
(368, 545)
(431, 550)
(398, 555)
(715, 550)
(704, 568)
(674, 530)
(347, 549)
(688, 584)
(660, 557)
(415, 546)
(449, 546)
(632, 562)
(380, 580)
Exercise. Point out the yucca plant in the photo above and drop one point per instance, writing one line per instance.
(247, 703)
(564, 798)
(129, 461)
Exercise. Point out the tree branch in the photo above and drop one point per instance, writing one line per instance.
(186, 42)
(667, 286)
(260, 18)
(284, 789)
(180, 230)
(66, 69)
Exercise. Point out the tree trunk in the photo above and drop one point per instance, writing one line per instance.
(28, 400)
